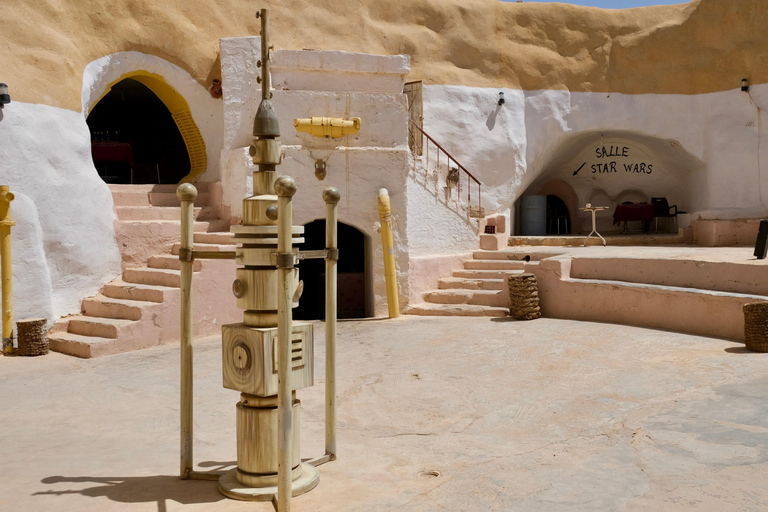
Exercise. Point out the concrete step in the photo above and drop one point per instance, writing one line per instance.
(485, 274)
(695, 311)
(81, 346)
(143, 195)
(119, 289)
(168, 188)
(749, 277)
(108, 307)
(496, 298)
(494, 265)
(427, 309)
(515, 255)
(221, 238)
(452, 283)
(169, 227)
(153, 276)
(684, 236)
(170, 199)
(133, 198)
(97, 326)
(171, 262)
(162, 213)
(205, 247)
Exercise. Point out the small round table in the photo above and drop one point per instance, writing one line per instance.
(594, 209)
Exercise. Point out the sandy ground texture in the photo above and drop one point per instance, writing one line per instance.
(546, 415)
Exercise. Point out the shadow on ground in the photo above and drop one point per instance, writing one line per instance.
(144, 489)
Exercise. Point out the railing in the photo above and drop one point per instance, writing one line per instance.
(476, 213)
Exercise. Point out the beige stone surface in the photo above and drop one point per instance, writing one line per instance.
(699, 47)
(547, 415)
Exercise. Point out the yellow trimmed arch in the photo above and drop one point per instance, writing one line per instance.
(181, 114)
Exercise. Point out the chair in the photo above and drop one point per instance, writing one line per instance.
(661, 208)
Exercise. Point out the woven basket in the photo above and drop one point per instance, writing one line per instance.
(756, 326)
(523, 297)
(31, 337)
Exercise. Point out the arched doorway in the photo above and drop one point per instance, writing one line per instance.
(354, 290)
(134, 138)
(558, 220)
(142, 131)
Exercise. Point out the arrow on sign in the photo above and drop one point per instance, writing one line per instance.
(580, 168)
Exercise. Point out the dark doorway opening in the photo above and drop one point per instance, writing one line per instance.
(558, 220)
(352, 282)
(134, 138)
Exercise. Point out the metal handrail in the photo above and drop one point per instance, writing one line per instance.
(450, 157)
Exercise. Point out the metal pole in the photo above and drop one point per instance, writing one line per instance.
(266, 78)
(187, 194)
(390, 272)
(6, 274)
(285, 187)
(331, 196)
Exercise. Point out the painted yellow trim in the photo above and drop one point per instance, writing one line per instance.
(181, 114)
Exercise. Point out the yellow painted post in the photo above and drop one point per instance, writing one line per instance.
(390, 272)
(5, 266)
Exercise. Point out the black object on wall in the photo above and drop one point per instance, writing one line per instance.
(761, 244)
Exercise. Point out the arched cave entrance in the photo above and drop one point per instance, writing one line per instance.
(142, 131)
(355, 293)
(610, 168)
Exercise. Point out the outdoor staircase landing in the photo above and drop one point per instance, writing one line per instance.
(478, 289)
(141, 309)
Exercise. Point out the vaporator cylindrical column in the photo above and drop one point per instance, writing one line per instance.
(6, 274)
(331, 196)
(187, 193)
(390, 271)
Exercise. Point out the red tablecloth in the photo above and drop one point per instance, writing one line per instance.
(112, 152)
(629, 212)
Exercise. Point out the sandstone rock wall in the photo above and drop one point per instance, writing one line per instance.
(699, 47)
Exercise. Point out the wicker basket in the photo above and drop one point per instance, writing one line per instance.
(523, 297)
(31, 337)
(756, 326)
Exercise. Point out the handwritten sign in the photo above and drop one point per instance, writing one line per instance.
(615, 158)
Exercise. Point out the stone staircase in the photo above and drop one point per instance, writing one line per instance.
(142, 308)
(478, 289)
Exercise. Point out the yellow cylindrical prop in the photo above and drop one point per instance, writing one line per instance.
(390, 272)
(328, 127)
(5, 266)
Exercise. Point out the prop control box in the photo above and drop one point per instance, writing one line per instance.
(249, 356)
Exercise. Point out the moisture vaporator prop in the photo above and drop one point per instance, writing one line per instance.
(267, 356)
(267, 343)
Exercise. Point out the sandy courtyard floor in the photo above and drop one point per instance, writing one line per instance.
(547, 415)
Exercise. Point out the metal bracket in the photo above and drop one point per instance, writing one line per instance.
(333, 254)
(186, 254)
(311, 255)
(285, 259)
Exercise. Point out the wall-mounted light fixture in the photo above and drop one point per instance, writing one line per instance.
(745, 85)
(215, 88)
(501, 99)
(5, 98)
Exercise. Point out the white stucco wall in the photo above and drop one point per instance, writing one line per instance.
(715, 137)
(207, 111)
(330, 84)
(63, 244)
